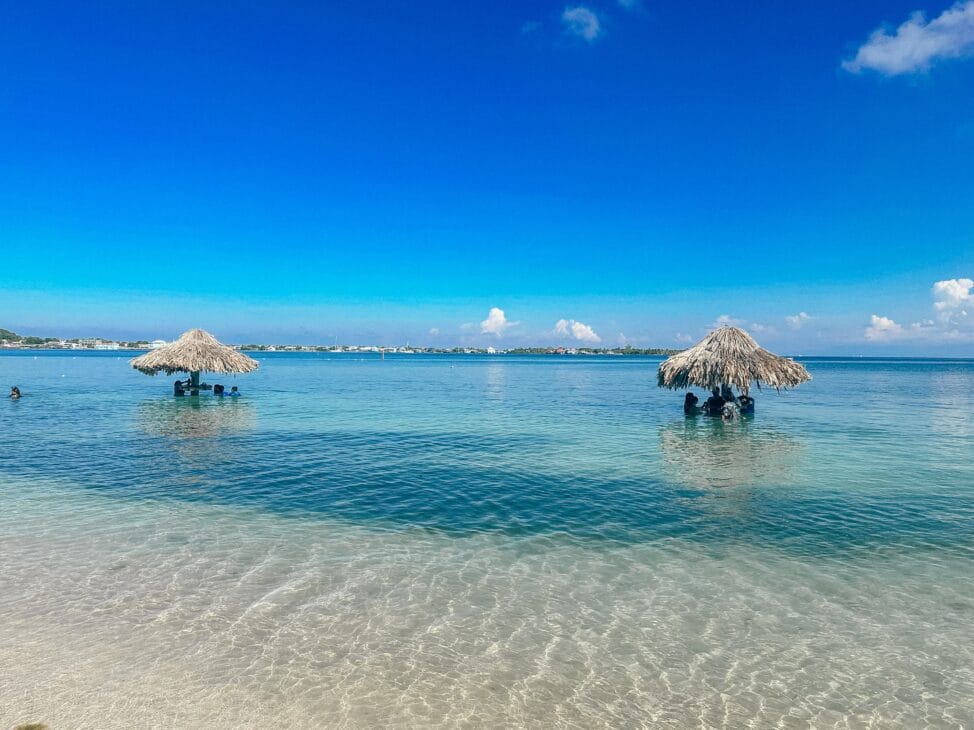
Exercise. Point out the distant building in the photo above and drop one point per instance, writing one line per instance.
(156, 344)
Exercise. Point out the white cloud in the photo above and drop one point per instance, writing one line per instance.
(759, 328)
(622, 340)
(953, 303)
(797, 321)
(496, 323)
(580, 331)
(725, 320)
(434, 331)
(883, 329)
(954, 300)
(916, 44)
(685, 339)
(582, 22)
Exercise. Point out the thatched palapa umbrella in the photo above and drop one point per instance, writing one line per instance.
(195, 352)
(729, 356)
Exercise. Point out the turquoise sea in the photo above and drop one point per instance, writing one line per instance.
(492, 541)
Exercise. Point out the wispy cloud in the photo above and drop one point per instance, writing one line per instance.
(434, 331)
(757, 328)
(797, 321)
(496, 323)
(725, 320)
(578, 330)
(917, 43)
(629, 4)
(684, 338)
(582, 22)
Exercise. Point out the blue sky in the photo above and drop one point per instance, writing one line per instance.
(627, 171)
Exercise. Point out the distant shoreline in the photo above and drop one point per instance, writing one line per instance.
(12, 341)
(852, 359)
(357, 350)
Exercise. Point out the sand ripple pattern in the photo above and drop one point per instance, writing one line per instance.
(189, 616)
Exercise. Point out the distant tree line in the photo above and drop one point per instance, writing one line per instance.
(8, 336)
(30, 340)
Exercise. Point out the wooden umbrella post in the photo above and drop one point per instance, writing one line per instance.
(194, 387)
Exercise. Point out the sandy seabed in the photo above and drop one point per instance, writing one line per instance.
(120, 614)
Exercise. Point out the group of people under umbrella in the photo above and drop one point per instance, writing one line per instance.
(722, 402)
(726, 358)
(196, 352)
(182, 387)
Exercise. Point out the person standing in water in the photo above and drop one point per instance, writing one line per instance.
(715, 404)
(15, 392)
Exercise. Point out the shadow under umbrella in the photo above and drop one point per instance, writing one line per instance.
(708, 453)
(192, 442)
(195, 418)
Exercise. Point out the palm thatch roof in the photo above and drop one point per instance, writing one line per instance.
(195, 351)
(729, 356)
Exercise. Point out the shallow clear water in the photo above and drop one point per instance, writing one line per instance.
(484, 541)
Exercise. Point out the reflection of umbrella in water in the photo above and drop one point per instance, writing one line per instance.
(729, 356)
(181, 418)
(189, 439)
(194, 353)
(713, 453)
